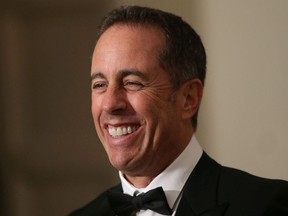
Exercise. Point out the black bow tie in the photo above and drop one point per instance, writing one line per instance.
(125, 205)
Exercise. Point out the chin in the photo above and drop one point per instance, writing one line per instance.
(126, 166)
(120, 161)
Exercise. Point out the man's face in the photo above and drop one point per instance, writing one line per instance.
(135, 114)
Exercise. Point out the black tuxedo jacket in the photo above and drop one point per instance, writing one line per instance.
(214, 190)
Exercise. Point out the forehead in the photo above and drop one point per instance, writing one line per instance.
(128, 46)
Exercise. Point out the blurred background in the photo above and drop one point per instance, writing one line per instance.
(51, 161)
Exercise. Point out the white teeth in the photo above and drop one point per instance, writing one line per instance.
(121, 131)
(112, 132)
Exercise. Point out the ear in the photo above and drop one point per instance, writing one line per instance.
(191, 93)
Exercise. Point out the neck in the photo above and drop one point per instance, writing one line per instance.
(139, 181)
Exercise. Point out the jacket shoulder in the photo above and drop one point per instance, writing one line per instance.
(98, 206)
(238, 179)
(246, 191)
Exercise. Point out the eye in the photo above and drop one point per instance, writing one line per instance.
(133, 85)
(99, 86)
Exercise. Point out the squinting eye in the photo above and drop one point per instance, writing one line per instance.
(99, 86)
(133, 86)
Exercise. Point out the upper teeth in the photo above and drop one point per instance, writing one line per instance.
(120, 131)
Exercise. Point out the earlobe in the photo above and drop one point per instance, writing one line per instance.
(192, 92)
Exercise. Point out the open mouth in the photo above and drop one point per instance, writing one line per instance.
(118, 132)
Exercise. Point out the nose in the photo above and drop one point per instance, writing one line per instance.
(114, 101)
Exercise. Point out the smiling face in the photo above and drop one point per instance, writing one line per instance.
(138, 118)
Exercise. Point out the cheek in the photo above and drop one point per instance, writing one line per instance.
(155, 110)
(145, 105)
(96, 119)
(95, 109)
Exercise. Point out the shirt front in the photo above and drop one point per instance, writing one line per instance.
(172, 179)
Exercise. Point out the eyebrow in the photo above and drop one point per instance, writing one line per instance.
(120, 75)
(97, 75)
(134, 72)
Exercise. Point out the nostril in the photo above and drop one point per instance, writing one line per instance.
(118, 111)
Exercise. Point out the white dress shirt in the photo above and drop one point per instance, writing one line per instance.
(172, 179)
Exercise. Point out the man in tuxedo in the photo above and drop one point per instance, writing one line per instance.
(148, 71)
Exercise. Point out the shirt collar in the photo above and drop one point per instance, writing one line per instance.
(179, 171)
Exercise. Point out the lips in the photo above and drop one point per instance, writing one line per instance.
(120, 131)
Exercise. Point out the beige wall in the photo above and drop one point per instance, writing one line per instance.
(244, 118)
(51, 160)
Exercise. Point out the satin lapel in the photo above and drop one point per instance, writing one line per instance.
(200, 191)
(107, 210)
(100, 206)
